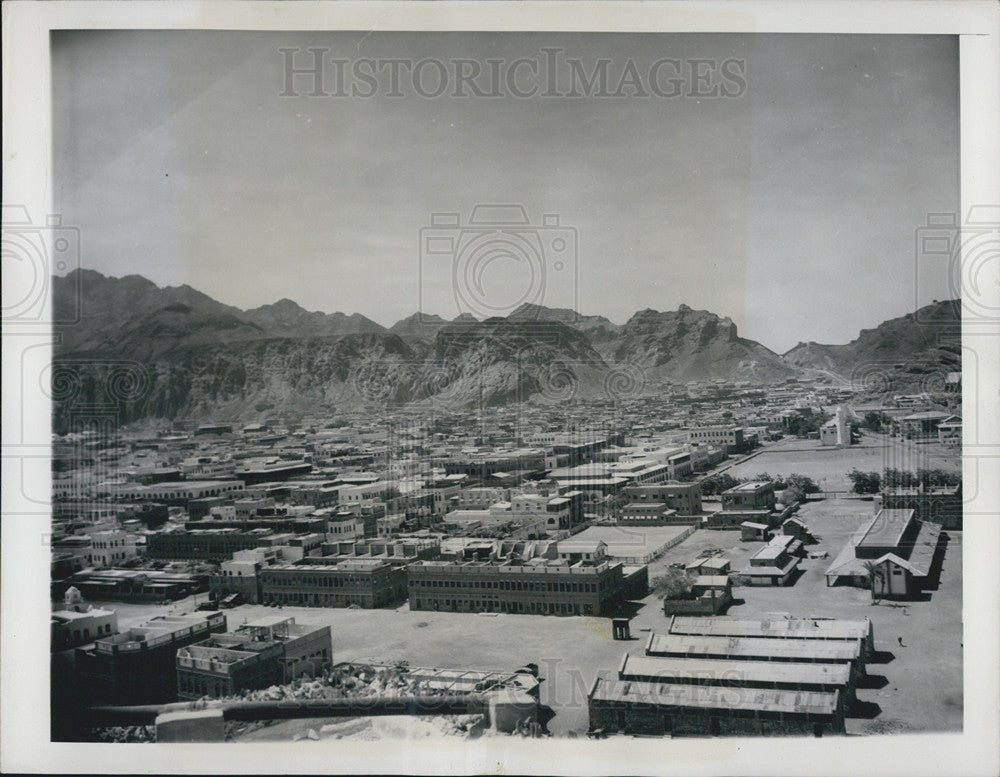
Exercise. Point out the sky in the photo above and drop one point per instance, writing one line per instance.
(790, 206)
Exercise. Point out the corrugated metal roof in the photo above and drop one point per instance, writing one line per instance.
(799, 628)
(714, 671)
(709, 697)
(752, 647)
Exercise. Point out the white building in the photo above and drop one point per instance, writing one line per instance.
(111, 548)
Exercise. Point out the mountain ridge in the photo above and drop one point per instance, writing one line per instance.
(204, 359)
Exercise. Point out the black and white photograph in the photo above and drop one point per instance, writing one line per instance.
(404, 392)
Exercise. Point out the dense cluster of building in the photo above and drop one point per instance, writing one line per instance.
(522, 512)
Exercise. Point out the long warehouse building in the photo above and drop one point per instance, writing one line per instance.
(779, 628)
(635, 707)
(758, 649)
(775, 675)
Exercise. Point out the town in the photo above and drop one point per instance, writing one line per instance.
(786, 559)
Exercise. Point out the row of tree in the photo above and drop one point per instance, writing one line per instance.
(873, 482)
(798, 485)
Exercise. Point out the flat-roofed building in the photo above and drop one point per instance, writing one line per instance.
(135, 585)
(684, 498)
(111, 548)
(179, 493)
(204, 544)
(81, 623)
(709, 595)
(753, 502)
(138, 666)
(538, 586)
(400, 552)
(647, 514)
(942, 506)
(334, 582)
(757, 495)
(273, 470)
(269, 651)
(731, 437)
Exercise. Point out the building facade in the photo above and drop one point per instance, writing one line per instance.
(270, 651)
(334, 582)
(543, 588)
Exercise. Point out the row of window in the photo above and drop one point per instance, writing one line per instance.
(510, 585)
(544, 608)
(105, 629)
(202, 686)
(324, 600)
(317, 581)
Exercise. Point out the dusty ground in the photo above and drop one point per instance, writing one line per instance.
(829, 466)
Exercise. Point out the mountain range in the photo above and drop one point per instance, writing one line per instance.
(174, 352)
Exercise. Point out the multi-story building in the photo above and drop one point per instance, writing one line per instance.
(334, 582)
(110, 548)
(402, 551)
(538, 586)
(942, 506)
(754, 502)
(684, 498)
(482, 497)
(241, 574)
(133, 585)
(270, 651)
(79, 624)
(138, 666)
(172, 493)
(729, 436)
(273, 469)
(204, 544)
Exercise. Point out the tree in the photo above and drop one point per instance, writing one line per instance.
(801, 483)
(937, 478)
(673, 584)
(877, 422)
(865, 482)
(716, 484)
(805, 422)
(898, 478)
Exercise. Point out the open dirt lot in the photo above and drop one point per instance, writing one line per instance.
(829, 466)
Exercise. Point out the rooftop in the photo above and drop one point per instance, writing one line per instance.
(886, 528)
(751, 647)
(713, 670)
(709, 697)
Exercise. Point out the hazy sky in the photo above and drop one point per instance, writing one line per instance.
(791, 208)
